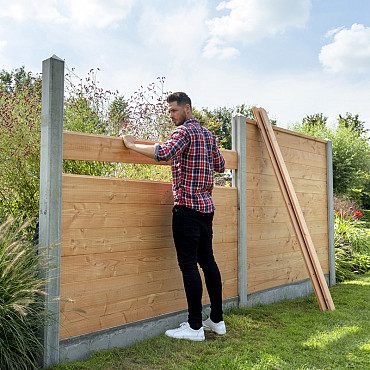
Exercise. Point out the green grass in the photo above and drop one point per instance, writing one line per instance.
(285, 335)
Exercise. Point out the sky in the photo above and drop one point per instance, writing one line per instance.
(292, 57)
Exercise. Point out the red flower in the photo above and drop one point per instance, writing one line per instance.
(340, 214)
(357, 214)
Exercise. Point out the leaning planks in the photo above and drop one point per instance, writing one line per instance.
(308, 251)
(88, 147)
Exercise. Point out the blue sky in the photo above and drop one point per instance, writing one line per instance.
(292, 57)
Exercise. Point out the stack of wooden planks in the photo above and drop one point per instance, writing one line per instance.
(291, 201)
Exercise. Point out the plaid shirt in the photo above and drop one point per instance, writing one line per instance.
(195, 155)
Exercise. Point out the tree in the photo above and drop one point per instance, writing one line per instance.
(351, 158)
(16, 80)
(218, 121)
(315, 120)
(353, 123)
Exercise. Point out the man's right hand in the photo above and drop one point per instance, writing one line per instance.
(129, 141)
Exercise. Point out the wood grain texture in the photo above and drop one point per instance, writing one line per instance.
(88, 147)
(294, 136)
(118, 259)
(298, 222)
(270, 234)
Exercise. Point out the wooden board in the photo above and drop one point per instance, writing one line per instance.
(88, 147)
(252, 127)
(118, 259)
(255, 149)
(295, 212)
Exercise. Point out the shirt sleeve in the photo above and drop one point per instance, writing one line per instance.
(173, 147)
(218, 160)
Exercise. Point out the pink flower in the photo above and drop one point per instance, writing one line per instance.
(357, 214)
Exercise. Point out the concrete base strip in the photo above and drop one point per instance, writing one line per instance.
(80, 347)
(298, 289)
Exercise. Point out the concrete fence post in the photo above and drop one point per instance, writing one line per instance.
(51, 164)
(239, 143)
(330, 195)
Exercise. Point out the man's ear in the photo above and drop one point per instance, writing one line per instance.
(187, 109)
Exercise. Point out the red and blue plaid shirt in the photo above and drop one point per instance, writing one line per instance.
(195, 155)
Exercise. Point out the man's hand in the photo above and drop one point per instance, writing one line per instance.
(147, 150)
(129, 141)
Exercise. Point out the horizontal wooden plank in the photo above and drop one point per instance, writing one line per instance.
(85, 241)
(282, 260)
(269, 183)
(128, 264)
(75, 217)
(279, 230)
(256, 149)
(262, 165)
(88, 147)
(279, 214)
(268, 247)
(269, 276)
(261, 280)
(257, 197)
(252, 127)
(74, 322)
(80, 188)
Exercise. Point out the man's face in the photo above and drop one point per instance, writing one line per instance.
(178, 114)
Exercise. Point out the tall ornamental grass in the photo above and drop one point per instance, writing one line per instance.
(21, 291)
(352, 246)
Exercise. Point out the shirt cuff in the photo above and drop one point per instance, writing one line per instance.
(156, 148)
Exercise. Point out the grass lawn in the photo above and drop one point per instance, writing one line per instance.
(285, 335)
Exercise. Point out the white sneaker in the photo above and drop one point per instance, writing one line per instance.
(186, 332)
(218, 328)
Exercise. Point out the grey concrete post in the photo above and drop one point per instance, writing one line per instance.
(329, 184)
(239, 143)
(51, 164)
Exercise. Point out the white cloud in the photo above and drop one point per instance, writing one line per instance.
(180, 34)
(22, 10)
(80, 13)
(216, 48)
(349, 52)
(98, 13)
(253, 20)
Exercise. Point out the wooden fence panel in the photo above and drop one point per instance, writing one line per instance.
(118, 259)
(274, 257)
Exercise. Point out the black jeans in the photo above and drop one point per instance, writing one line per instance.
(192, 234)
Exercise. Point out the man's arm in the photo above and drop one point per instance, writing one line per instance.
(218, 160)
(147, 150)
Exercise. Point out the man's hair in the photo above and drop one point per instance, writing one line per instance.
(180, 97)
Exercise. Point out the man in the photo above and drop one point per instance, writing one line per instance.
(195, 155)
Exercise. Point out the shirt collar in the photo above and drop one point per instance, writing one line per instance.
(192, 120)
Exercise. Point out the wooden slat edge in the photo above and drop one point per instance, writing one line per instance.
(89, 147)
(307, 248)
(289, 132)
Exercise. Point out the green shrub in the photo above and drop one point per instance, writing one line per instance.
(21, 290)
(351, 163)
(352, 248)
(20, 110)
(366, 217)
(87, 108)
